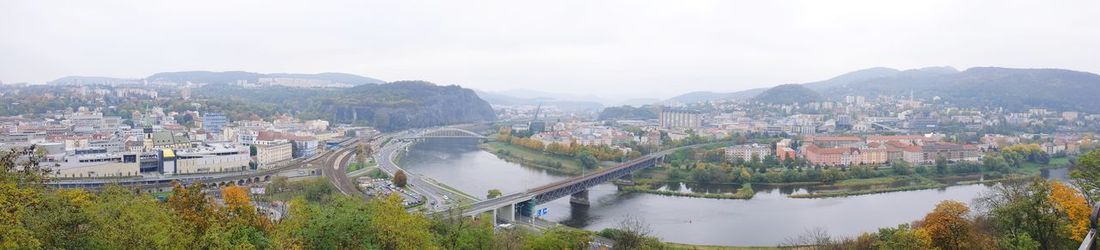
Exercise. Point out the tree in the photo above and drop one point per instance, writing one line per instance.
(587, 160)
(559, 238)
(1071, 203)
(1019, 209)
(20, 191)
(121, 220)
(252, 150)
(632, 233)
(394, 228)
(903, 237)
(342, 223)
(941, 165)
(493, 193)
(399, 179)
(948, 226)
(454, 231)
(1085, 175)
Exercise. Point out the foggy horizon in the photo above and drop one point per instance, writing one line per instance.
(615, 50)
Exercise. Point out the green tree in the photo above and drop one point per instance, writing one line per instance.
(60, 221)
(121, 220)
(587, 160)
(1027, 208)
(342, 223)
(903, 237)
(394, 228)
(941, 165)
(458, 232)
(1085, 175)
(493, 193)
(559, 238)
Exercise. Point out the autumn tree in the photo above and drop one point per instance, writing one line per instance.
(1076, 210)
(903, 237)
(399, 179)
(21, 188)
(948, 226)
(193, 207)
(394, 228)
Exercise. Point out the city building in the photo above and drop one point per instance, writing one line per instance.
(214, 122)
(746, 152)
(680, 119)
(271, 155)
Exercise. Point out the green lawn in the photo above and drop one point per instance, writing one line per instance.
(866, 182)
(352, 167)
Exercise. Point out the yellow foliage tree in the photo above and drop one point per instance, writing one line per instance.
(1070, 202)
(396, 228)
(947, 225)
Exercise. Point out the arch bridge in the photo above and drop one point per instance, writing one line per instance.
(443, 133)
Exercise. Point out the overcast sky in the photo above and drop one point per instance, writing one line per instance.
(614, 49)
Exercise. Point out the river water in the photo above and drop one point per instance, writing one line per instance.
(768, 219)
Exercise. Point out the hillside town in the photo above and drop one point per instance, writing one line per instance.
(853, 131)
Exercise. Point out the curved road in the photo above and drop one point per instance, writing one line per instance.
(437, 198)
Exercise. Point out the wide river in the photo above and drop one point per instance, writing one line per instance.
(768, 219)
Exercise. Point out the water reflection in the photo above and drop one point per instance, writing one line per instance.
(765, 220)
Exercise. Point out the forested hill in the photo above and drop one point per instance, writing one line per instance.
(391, 106)
(1010, 88)
(788, 94)
(1013, 89)
(408, 104)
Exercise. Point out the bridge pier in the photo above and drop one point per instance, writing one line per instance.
(505, 213)
(579, 198)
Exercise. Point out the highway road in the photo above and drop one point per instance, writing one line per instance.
(434, 194)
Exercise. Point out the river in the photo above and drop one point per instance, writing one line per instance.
(768, 219)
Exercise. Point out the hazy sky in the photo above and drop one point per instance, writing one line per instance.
(608, 48)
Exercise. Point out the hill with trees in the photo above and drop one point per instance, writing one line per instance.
(629, 113)
(234, 76)
(788, 94)
(391, 106)
(1011, 88)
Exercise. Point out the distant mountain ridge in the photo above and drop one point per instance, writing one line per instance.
(1011, 88)
(788, 94)
(234, 76)
(705, 96)
(496, 98)
(212, 77)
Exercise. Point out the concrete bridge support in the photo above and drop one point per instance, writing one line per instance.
(506, 213)
(579, 198)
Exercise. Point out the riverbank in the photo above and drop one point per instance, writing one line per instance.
(744, 193)
(680, 246)
(922, 183)
(533, 158)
